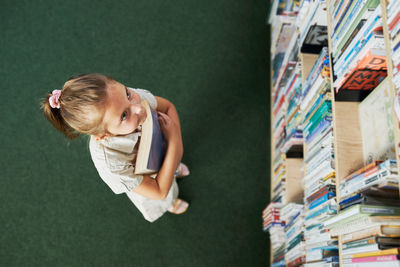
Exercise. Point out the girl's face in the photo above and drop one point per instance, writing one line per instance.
(123, 111)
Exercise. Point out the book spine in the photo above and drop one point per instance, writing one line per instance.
(376, 259)
(359, 243)
(321, 200)
(360, 234)
(319, 193)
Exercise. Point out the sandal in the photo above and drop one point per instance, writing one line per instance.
(179, 206)
(182, 170)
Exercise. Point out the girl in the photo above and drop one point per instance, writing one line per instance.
(112, 115)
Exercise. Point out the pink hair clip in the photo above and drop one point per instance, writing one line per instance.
(54, 99)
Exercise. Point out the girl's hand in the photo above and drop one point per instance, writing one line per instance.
(168, 127)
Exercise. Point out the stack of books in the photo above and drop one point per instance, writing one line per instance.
(279, 133)
(271, 216)
(293, 215)
(279, 179)
(376, 176)
(358, 47)
(282, 33)
(286, 78)
(289, 85)
(276, 227)
(312, 26)
(369, 217)
(319, 174)
(369, 231)
(294, 134)
(393, 21)
(284, 8)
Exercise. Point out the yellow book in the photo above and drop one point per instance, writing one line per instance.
(331, 175)
(391, 251)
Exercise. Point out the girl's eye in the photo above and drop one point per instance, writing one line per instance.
(124, 116)
(128, 94)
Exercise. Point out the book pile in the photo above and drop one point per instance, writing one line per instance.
(358, 47)
(293, 215)
(289, 89)
(294, 134)
(279, 179)
(376, 176)
(369, 217)
(319, 173)
(276, 227)
(393, 23)
(369, 232)
(282, 32)
(286, 80)
(312, 26)
(284, 8)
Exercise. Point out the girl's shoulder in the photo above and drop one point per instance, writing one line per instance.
(115, 152)
(146, 95)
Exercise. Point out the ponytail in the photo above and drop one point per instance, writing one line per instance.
(79, 107)
(54, 116)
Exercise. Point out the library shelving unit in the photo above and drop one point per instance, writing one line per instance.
(364, 125)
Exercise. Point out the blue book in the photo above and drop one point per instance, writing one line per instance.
(322, 125)
(152, 144)
(321, 200)
(331, 259)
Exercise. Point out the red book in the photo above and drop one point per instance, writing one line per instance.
(296, 262)
(319, 193)
(394, 21)
(368, 73)
(281, 101)
(271, 216)
(364, 169)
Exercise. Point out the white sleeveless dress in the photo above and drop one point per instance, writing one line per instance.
(114, 159)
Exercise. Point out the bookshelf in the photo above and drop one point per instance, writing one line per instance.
(355, 133)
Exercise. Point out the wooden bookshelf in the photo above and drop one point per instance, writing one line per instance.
(294, 175)
(390, 77)
(307, 62)
(348, 140)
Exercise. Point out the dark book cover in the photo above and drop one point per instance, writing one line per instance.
(158, 145)
(316, 39)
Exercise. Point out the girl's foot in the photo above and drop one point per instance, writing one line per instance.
(179, 206)
(182, 170)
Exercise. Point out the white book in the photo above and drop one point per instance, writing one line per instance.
(318, 174)
(361, 223)
(380, 177)
(363, 32)
(376, 124)
(346, 25)
(312, 91)
(322, 137)
(365, 248)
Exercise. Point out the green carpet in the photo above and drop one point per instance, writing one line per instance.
(210, 58)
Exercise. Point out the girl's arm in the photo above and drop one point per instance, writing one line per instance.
(158, 188)
(165, 106)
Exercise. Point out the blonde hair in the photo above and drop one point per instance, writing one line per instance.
(82, 104)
